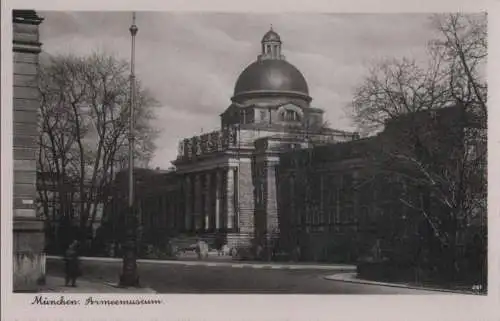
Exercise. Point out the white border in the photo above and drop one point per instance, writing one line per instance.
(266, 307)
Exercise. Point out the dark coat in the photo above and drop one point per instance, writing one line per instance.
(72, 261)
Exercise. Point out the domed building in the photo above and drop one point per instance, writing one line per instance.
(225, 183)
(227, 177)
(271, 91)
(275, 178)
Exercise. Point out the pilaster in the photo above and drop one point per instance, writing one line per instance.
(271, 201)
(198, 194)
(188, 203)
(218, 199)
(230, 209)
(208, 201)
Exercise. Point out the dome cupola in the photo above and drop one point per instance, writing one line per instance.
(271, 46)
(271, 75)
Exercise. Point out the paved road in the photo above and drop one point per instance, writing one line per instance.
(206, 279)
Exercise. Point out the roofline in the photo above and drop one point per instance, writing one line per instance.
(264, 93)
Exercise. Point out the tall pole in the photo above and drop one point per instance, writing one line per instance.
(133, 31)
(129, 275)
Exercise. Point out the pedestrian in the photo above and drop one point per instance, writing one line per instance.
(297, 253)
(72, 264)
(258, 252)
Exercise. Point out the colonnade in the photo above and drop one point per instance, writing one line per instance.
(210, 199)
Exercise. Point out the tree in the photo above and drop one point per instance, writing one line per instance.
(440, 169)
(437, 156)
(397, 86)
(454, 74)
(84, 131)
(463, 47)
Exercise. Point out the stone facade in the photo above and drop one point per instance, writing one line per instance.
(29, 257)
(226, 180)
(336, 201)
(288, 192)
(275, 177)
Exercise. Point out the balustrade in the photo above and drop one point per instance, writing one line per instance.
(215, 141)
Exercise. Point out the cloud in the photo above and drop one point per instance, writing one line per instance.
(190, 61)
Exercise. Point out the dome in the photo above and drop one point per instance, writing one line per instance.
(271, 76)
(271, 35)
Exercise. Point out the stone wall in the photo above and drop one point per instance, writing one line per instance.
(246, 197)
(28, 256)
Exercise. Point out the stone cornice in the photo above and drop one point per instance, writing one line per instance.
(27, 46)
(271, 93)
(32, 224)
(26, 17)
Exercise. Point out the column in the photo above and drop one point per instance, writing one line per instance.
(218, 196)
(197, 202)
(188, 203)
(230, 197)
(208, 200)
(28, 261)
(271, 197)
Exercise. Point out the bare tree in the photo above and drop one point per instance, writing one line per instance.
(84, 128)
(454, 74)
(397, 86)
(440, 161)
(463, 47)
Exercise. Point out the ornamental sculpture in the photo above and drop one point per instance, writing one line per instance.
(212, 142)
(215, 141)
(219, 140)
(181, 149)
(188, 147)
(204, 143)
(196, 145)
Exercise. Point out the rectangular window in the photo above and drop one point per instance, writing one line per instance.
(263, 115)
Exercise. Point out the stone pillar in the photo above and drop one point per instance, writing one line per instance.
(28, 228)
(245, 190)
(271, 197)
(271, 206)
(198, 223)
(208, 201)
(188, 203)
(229, 198)
(218, 198)
(356, 200)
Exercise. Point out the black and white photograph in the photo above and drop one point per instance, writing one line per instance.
(162, 152)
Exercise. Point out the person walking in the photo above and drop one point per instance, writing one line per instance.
(72, 266)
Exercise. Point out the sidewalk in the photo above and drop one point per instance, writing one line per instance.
(352, 278)
(231, 263)
(56, 284)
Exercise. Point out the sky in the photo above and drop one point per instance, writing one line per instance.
(191, 61)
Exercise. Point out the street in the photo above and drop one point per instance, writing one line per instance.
(174, 278)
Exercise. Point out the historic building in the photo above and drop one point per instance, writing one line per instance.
(29, 259)
(274, 175)
(225, 180)
(337, 200)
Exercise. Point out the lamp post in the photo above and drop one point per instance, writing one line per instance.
(129, 275)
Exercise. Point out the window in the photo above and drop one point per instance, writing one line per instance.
(290, 115)
(243, 117)
(262, 115)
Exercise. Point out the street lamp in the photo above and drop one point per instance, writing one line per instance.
(129, 275)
